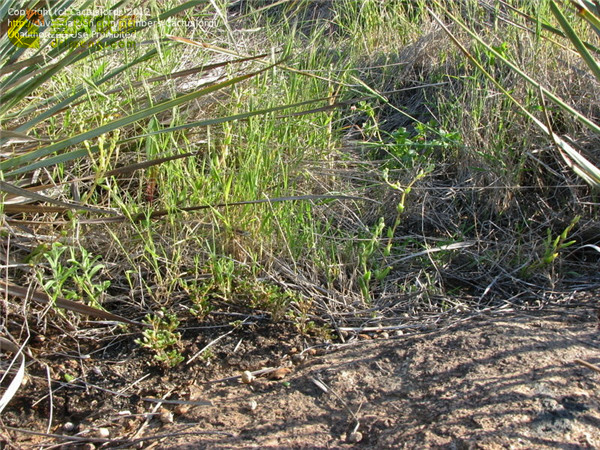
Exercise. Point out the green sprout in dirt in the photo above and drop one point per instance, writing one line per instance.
(162, 338)
(300, 316)
(265, 297)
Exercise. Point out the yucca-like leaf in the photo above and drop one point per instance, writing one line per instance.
(44, 299)
(574, 38)
(121, 122)
(590, 12)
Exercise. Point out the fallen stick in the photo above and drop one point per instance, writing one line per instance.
(587, 364)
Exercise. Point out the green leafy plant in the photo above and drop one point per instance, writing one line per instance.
(162, 338)
(72, 279)
(410, 149)
(365, 255)
(265, 296)
(199, 296)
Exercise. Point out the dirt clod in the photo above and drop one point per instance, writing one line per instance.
(279, 374)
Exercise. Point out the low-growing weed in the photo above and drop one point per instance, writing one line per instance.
(198, 293)
(409, 149)
(162, 338)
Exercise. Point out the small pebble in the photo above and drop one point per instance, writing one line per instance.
(103, 432)
(88, 446)
(166, 416)
(247, 377)
(252, 405)
(399, 332)
(364, 337)
(355, 437)
(385, 335)
(298, 358)
(69, 426)
(311, 351)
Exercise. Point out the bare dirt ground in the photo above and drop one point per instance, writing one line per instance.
(492, 380)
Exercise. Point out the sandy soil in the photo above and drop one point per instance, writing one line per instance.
(495, 380)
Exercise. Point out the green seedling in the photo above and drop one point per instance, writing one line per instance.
(199, 296)
(552, 248)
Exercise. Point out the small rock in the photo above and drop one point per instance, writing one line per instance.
(68, 426)
(88, 446)
(252, 405)
(247, 377)
(385, 335)
(165, 416)
(298, 358)
(364, 337)
(311, 351)
(103, 432)
(399, 332)
(355, 437)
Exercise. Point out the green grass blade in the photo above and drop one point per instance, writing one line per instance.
(119, 123)
(584, 9)
(580, 165)
(246, 115)
(546, 26)
(69, 101)
(70, 156)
